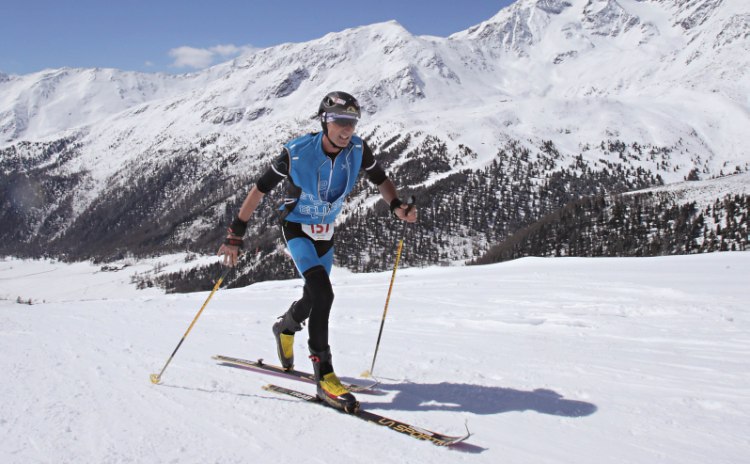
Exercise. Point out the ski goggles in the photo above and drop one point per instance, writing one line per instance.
(342, 119)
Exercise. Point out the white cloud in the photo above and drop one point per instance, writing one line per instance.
(189, 57)
(198, 58)
(226, 50)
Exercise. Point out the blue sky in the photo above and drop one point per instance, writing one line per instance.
(181, 36)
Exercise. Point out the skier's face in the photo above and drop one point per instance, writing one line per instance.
(340, 134)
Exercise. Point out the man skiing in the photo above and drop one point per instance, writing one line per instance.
(322, 169)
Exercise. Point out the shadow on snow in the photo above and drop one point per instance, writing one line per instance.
(478, 399)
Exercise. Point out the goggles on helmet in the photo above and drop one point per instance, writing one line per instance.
(342, 119)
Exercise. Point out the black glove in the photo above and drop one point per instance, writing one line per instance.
(235, 233)
(396, 204)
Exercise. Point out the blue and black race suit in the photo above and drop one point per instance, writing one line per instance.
(318, 185)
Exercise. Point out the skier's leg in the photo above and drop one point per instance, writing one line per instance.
(304, 255)
(318, 286)
(307, 255)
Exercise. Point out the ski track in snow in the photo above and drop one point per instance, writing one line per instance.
(549, 360)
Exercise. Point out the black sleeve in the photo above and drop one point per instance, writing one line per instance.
(278, 171)
(374, 172)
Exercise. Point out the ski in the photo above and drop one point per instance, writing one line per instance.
(401, 427)
(259, 365)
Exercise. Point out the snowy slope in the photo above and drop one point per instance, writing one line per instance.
(549, 361)
(706, 192)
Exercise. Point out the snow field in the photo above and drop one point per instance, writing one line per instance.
(549, 360)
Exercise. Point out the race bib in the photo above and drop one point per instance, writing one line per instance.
(318, 231)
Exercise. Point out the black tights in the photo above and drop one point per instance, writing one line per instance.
(315, 304)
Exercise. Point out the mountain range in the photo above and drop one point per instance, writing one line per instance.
(492, 128)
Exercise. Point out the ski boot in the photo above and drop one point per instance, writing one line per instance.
(283, 332)
(329, 387)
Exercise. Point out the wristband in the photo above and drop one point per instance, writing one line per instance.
(395, 204)
(238, 227)
(233, 241)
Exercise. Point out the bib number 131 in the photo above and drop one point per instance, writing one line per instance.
(318, 231)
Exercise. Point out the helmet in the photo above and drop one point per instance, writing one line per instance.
(338, 106)
(339, 103)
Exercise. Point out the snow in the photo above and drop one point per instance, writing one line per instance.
(704, 192)
(548, 360)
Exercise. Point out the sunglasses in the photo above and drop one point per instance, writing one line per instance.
(342, 120)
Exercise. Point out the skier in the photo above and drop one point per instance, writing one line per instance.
(322, 169)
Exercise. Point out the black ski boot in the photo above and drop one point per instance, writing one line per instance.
(283, 331)
(330, 388)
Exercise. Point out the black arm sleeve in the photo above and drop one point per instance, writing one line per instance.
(375, 173)
(278, 171)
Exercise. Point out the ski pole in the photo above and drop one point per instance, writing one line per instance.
(156, 378)
(368, 373)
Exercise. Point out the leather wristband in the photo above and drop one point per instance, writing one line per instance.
(233, 241)
(238, 227)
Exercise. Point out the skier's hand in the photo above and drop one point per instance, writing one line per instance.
(406, 212)
(229, 251)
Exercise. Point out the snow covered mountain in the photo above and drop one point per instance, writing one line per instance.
(645, 91)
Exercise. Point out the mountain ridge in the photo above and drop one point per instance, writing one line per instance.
(167, 158)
